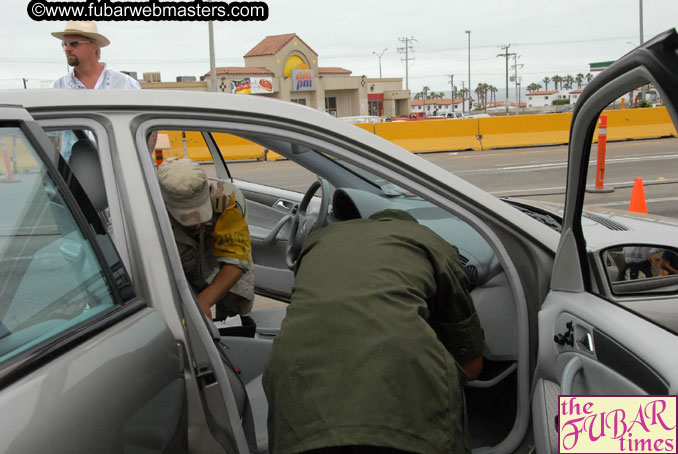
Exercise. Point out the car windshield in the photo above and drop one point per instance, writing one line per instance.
(388, 188)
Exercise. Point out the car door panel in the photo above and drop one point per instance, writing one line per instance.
(632, 361)
(589, 344)
(106, 375)
(99, 398)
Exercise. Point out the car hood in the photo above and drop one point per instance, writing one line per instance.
(605, 227)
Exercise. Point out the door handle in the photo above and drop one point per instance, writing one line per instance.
(585, 343)
(285, 205)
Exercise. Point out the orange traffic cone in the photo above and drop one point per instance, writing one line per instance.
(638, 197)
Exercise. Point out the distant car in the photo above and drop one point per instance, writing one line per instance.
(365, 119)
(454, 115)
(414, 116)
(478, 115)
(103, 348)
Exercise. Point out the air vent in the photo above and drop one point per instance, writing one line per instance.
(463, 260)
(612, 225)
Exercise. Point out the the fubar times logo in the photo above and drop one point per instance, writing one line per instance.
(617, 424)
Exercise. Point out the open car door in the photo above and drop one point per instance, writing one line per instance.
(591, 342)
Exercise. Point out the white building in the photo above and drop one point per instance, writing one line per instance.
(541, 98)
(440, 106)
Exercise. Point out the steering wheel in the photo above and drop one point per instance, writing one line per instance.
(304, 223)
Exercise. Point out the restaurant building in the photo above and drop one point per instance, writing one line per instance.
(285, 67)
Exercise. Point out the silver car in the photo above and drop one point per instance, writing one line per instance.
(104, 349)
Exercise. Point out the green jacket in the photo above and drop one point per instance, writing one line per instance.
(366, 353)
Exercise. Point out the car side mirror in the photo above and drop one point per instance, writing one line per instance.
(641, 268)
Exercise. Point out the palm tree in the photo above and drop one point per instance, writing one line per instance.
(493, 92)
(486, 88)
(579, 79)
(556, 80)
(479, 93)
(569, 80)
(588, 77)
(546, 81)
(481, 90)
(533, 87)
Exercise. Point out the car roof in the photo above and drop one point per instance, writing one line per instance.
(47, 101)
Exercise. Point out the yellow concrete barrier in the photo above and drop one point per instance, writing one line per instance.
(460, 134)
(639, 123)
(231, 147)
(432, 135)
(517, 131)
(524, 130)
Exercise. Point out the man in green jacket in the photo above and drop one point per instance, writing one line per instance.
(379, 337)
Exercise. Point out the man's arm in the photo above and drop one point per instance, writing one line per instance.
(454, 317)
(225, 279)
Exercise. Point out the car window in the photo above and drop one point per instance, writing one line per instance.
(241, 155)
(630, 215)
(51, 274)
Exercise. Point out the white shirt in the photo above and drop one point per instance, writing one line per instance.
(109, 79)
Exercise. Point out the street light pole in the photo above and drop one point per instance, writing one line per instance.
(640, 6)
(213, 66)
(452, 90)
(379, 57)
(468, 32)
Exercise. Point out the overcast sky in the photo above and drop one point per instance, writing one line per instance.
(551, 37)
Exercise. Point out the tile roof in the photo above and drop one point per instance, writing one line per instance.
(240, 70)
(271, 45)
(334, 70)
(576, 92)
(439, 102)
(550, 92)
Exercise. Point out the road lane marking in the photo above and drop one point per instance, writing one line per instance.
(558, 165)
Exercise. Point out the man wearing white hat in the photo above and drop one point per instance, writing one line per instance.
(212, 236)
(82, 44)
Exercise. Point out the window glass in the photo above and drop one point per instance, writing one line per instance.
(243, 157)
(50, 278)
(630, 202)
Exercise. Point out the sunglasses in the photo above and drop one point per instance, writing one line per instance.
(73, 43)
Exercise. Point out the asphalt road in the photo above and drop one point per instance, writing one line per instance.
(535, 173)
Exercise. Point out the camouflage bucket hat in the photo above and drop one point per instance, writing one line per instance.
(185, 190)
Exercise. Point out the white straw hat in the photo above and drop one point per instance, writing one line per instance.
(86, 28)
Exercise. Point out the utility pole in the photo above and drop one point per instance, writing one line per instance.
(463, 101)
(379, 57)
(515, 67)
(406, 50)
(506, 55)
(452, 90)
(213, 66)
(424, 90)
(640, 6)
(468, 32)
